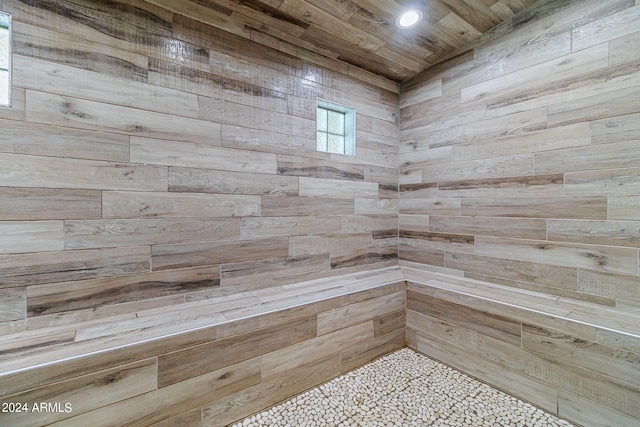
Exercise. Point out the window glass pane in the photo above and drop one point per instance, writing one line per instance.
(4, 84)
(336, 144)
(322, 119)
(4, 47)
(5, 58)
(336, 122)
(321, 142)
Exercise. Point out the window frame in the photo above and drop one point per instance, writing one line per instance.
(349, 126)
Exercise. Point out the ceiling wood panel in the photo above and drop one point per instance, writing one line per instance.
(360, 33)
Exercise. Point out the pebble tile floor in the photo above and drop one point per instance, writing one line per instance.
(403, 388)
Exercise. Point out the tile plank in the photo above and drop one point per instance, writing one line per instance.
(132, 232)
(49, 267)
(123, 205)
(176, 367)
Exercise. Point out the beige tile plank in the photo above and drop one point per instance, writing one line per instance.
(598, 258)
(316, 187)
(498, 167)
(513, 186)
(93, 293)
(39, 75)
(36, 41)
(482, 126)
(92, 357)
(268, 227)
(389, 323)
(604, 105)
(260, 140)
(306, 206)
(577, 135)
(423, 156)
(496, 326)
(24, 344)
(413, 222)
(203, 80)
(367, 223)
(48, 204)
(84, 393)
(616, 363)
(609, 284)
(587, 207)
(380, 206)
(13, 304)
(530, 272)
(31, 236)
(368, 351)
(429, 240)
(53, 109)
(419, 255)
(624, 49)
(165, 402)
(525, 228)
(611, 182)
(612, 233)
(308, 245)
(616, 129)
(236, 406)
(606, 29)
(121, 332)
(84, 234)
(624, 208)
(525, 387)
(192, 418)
(338, 318)
(49, 267)
(384, 255)
(202, 180)
(307, 352)
(608, 156)
(92, 314)
(590, 385)
(190, 362)
(258, 274)
(584, 411)
(229, 113)
(548, 71)
(21, 137)
(441, 330)
(123, 205)
(183, 154)
(430, 206)
(167, 257)
(51, 172)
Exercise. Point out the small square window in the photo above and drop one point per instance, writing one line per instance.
(335, 128)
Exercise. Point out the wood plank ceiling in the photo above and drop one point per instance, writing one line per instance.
(361, 33)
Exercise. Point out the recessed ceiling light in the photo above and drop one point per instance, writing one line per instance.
(409, 18)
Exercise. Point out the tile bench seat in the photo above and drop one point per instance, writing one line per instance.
(212, 362)
(216, 360)
(577, 359)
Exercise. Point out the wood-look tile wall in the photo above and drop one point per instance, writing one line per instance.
(554, 356)
(149, 159)
(520, 158)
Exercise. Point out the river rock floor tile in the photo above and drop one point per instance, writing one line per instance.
(403, 388)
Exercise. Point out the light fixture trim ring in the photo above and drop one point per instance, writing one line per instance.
(409, 18)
